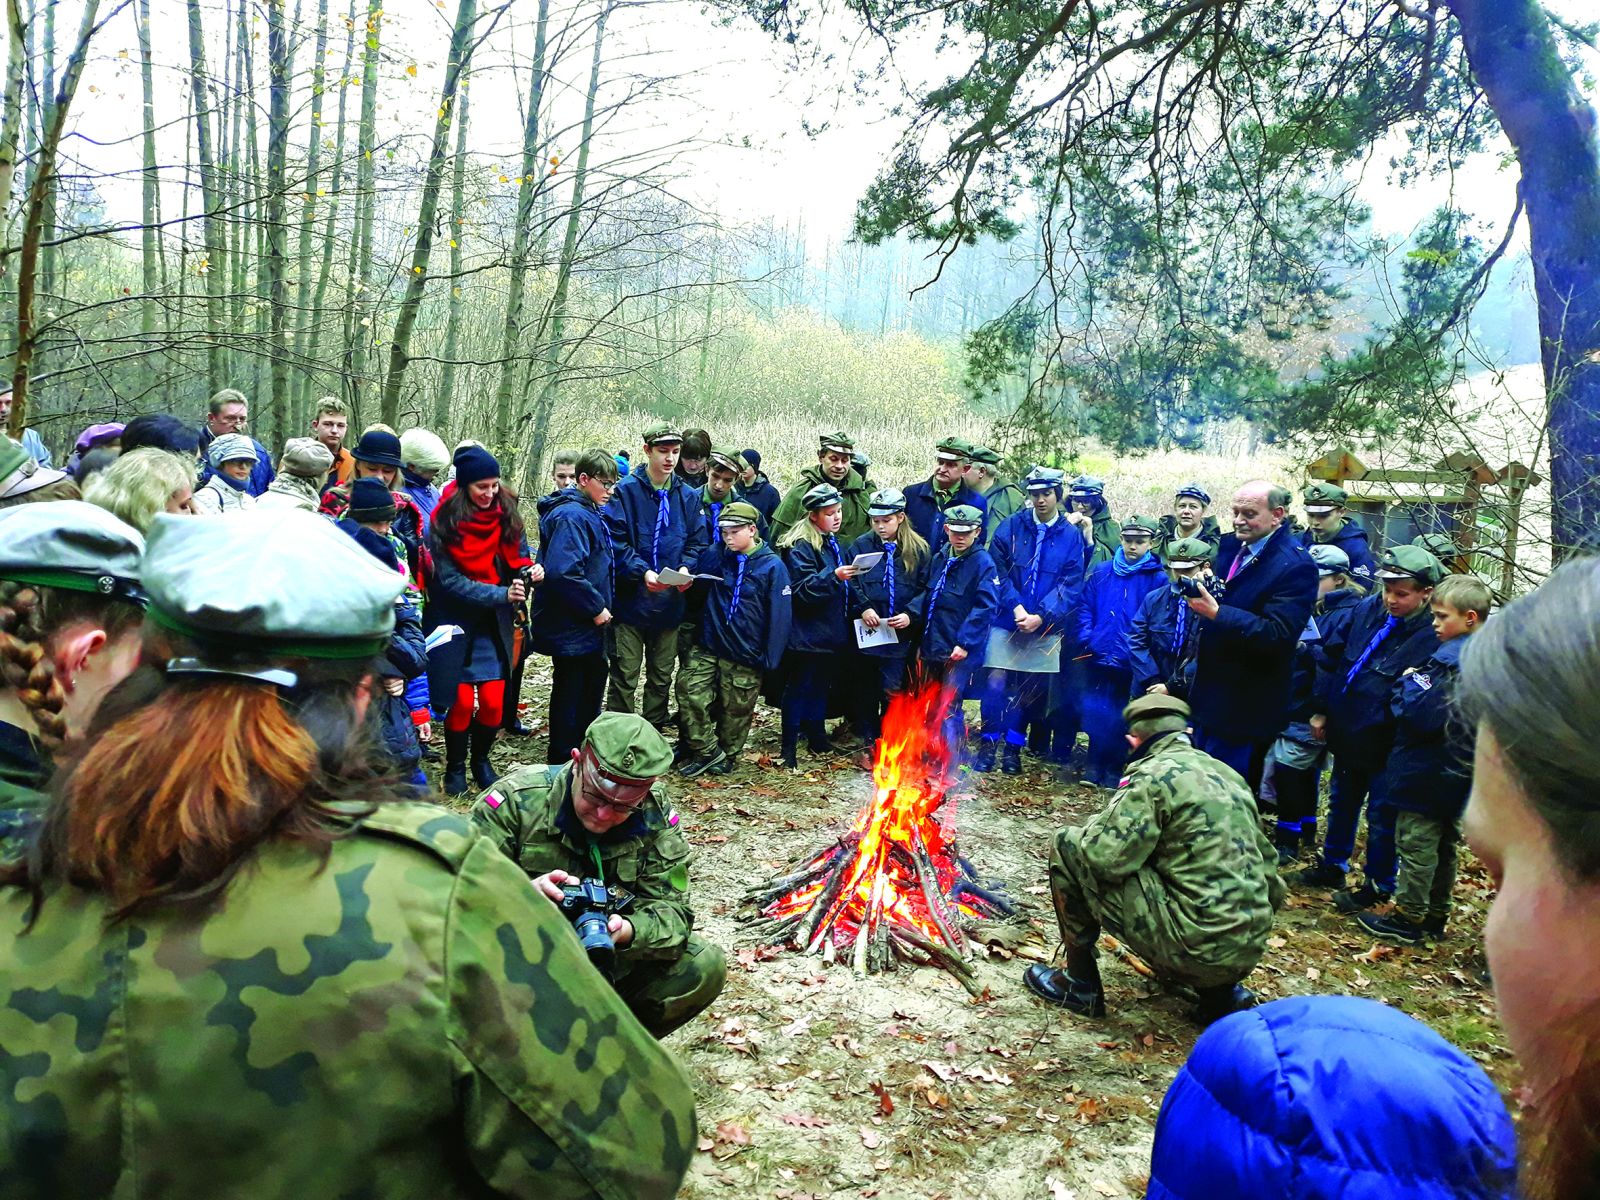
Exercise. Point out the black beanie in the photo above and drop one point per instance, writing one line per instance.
(475, 464)
(370, 501)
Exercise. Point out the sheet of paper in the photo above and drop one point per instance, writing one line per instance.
(673, 577)
(1036, 654)
(1311, 633)
(441, 635)
(883, 635)
(865, 562)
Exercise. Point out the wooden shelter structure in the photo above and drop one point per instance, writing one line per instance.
(1479, 506)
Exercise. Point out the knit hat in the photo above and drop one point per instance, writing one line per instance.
(753, 457)
(370, 502)
(305, 458)
(160, 431)
(475, 464)
(379, 448)
(424, 450)
(230, 447)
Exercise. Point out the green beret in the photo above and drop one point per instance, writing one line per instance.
(1323, 496)
(739, 513)
(963, 516)
(1410, 562)
(840, 441)
(1137, 526)
(986, 456)
(1154, 706)
(659, 435)
(958, 447)
(1189, 552)
(71, 545)
(627, 746)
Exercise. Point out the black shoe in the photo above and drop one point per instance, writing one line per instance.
(455, 763)
(1055, 986)
(983, 760)
(823, 747)
(727, 766)
(1433, 928)
(1011, 760)
(515, 728)
(789, 759)
(1359, 900)
(1218, 1002)
(695, 767)
(1319, 875)
(1394, 928)
(483, 774)
(1288, 843)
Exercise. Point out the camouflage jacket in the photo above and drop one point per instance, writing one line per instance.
(407, 1018)
(1183, 833)
(22, 779)
(528, 816)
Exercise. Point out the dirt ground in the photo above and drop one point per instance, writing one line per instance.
(813, 1082)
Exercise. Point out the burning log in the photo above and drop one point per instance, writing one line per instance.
(893, 890)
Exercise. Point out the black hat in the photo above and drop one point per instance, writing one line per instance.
(378, 448)
(475, 464)
(370, 502)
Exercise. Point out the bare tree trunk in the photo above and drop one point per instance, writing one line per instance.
(363, 310)
(210, 197)
(452, 328)
(47, 90)
(461, 45)
(303, 317)
(276, 262)
(11, 122)
(531, 185)
(151, 180)
(329, 224)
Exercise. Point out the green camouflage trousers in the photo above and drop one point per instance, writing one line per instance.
(656, 652)
(667, 993)
(705, 681)
(1427, 850)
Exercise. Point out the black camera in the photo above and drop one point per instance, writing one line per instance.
(1191, 587)
(589, 905)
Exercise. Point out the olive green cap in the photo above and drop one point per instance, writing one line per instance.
(1322, 496)
(19, 474)
(963, 516)
(659, 434)
(839, 441)
(627, 746)
(986, 456)
(1441, 545)
(71, 545)
(954, 447)
(1189, 552)
(1158, 709)
(739, 513)
(1137, 526)
(728, 460)
(1410, 562)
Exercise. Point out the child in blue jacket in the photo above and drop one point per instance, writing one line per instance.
(1429, 773)
(962, 598)
(890, 593)
(1111, 599)
(1039, 556)
(744, 628)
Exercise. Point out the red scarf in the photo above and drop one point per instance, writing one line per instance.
(478, 542)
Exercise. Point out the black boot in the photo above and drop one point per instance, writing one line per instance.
(1288, 843)
(455, 763)
(817, 740)
(1077, 988)
(1217, 1002)
(513, 721)
(790, 756)
(983, 760)
(482, 738)
(1011, 759)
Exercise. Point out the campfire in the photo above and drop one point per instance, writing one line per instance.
(894, 889)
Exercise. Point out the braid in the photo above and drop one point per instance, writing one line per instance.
(24, 665)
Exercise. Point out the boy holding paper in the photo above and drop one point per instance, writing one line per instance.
(887, 593)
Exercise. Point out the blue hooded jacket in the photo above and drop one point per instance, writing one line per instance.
(1162, 643)
(1111, 600)
(1057, 586)
(1352, 539)
(961, 611)
(1430, 767)
(1333, 613)
(575, 547)
(649, 539)
(1330, 1098)
(872, 591)
(745, 617)
(1360, 725)
(927, 515)
(406, 658)
(423, 494)
(824, 605)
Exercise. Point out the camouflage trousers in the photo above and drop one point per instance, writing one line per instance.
(1427, 848)
(665, 994)
(655, 651)
(706, 681)
(1129, 910)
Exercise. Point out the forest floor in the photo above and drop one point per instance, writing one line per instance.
(814, 1082)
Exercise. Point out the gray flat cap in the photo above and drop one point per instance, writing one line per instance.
(241, 583)
(73, 545)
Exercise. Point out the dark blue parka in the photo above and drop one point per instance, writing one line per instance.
(1111, 600)
(872, 591)
(1352, 539)
(1162, 643)
(651, 534)
(760, 495)
(1430, 767)
(406, 658)
(1057, 590)
(711, 511)
(747, 613)
(927, 515)
(1360, 724)
(960, 612)
(1243, 668)
(1333, 613)
(576, 549)
(824, 605)
(479, 609)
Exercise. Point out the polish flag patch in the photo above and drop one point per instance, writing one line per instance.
(493, 799)
(672, 817)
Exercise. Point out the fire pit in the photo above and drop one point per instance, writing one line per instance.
(894, 889)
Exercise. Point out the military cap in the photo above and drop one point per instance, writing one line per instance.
(1189, 552)
(660, 435)
(1154, 706)
(886, 503)
(1323, 497)
(1044, 479)
(738, 513)
(1194, 491)
(19, 474)
(963, 517)
(824, 495)
(1086, 487)
(1410, 562)
(840, 442)
(728, 460)
(230, 447)
(627, 746)
(1441, 545)
(954, 448)
(71, 545)
(1137, 526)
(986, 456)
(861, 458)
(240, 584)
(1330, 559)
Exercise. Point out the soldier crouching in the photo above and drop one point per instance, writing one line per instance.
(603, 816)
(1176, 866)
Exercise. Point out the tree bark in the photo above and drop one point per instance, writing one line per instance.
(150, 249)
(362, 307)
(11, 121)
(210, 197)
(277, 257)
(311, 190)
(452, 327)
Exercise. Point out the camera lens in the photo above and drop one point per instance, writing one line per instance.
(594, 932)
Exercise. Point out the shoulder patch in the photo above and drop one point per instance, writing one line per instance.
(672, 816)
(1425, 682)
(787, 590)
(493, 799)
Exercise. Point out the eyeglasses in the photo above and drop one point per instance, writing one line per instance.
(607, 791)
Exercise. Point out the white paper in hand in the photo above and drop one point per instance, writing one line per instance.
(441, 635)
(883, 635)
(865, 562)
(673, 577)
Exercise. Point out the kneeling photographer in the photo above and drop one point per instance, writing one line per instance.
(599, 838)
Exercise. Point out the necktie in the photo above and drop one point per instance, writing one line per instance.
(1233, 567)
(933, 596)
(738, 582)
(716, 511)
(888, 574)
(1372, 648)
(1033, 567)
(661, 524)
(1183, 627)
(838, 561)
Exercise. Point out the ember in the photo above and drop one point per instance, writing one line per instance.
(893, 889)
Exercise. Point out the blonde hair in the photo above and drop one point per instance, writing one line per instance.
(379, 428)
(136, 487)
(1464, 593)
(913, 547)
(330, 404)
(802, 531)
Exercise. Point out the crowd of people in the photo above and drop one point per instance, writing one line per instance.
(229, 913)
